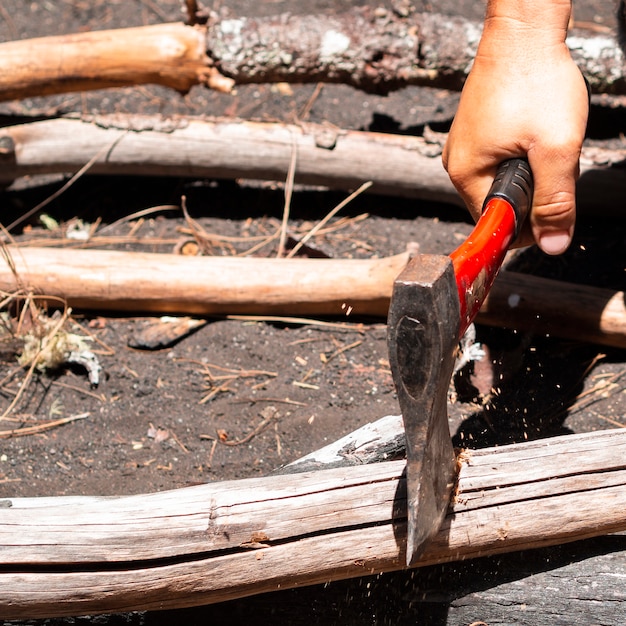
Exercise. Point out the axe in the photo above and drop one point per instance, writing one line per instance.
(434, 300)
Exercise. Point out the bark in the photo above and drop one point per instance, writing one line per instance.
(222, 148)
(169, 283)
(210, 543)
(397, 165)
(372, 49)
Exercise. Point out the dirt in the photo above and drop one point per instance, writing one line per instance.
(168, 418)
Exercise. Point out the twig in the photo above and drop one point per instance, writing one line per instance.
(138, 214)
(33, 430)
(266, 241)
(609, 420)
(229, 378)
(595, 393)
(291, 174)
(300, 321)
(155, 9)
(6, 16)
(216, 390)
(95, 242)
(183, 447)
(251, 435)
(330, 215)
(85, 392)
(68, 184)
(306, 109)
(280, 400)
(342, 350)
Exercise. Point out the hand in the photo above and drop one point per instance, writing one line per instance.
(523, 97)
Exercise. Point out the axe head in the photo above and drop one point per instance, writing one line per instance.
(423, 333)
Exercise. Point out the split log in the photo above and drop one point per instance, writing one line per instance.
(168, 283)
(371, 49)
(215, 542)
(397, 165)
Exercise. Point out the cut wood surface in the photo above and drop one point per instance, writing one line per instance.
(169, 283)
(397, 165)
(209, 543)
(369, 48)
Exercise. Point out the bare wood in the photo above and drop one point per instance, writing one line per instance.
(220, 541)
(224, 148)
(168, 283)
(371, 49)
(172, 55)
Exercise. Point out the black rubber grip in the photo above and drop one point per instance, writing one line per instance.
(514, 183)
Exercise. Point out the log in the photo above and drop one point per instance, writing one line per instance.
(215, 542)
(371, 49)
(223, 148)
(172, 55)
(169, 283)
(397, 165)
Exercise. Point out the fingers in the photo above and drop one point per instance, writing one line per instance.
(554, 204)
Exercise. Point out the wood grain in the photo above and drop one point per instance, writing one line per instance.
(210, 543)
(169, 283)
(397, 165)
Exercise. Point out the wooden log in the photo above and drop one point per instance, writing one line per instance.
(223, 148)
(397, 165)
(168, 283)
(561, 309)
(172, 55)
(372, 49)
(209, 543)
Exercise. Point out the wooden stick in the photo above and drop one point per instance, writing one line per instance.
(397, 165)
(368, 48)
(172, 55)
(168, 283)
(223, 148)
(551, 307)
(210, 543)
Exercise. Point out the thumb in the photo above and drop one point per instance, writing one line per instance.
(553, 214)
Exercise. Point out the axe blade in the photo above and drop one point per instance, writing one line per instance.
(423, 327)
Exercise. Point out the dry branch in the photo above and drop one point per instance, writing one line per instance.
(372, 49)
(215, 542)
(168, 283)
(222, 148)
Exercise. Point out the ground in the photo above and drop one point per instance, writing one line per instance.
(239, 398)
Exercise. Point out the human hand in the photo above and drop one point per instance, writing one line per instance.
(524, 97)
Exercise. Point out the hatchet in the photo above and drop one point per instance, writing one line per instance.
(434, 300)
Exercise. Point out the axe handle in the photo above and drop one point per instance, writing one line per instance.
(478, 259)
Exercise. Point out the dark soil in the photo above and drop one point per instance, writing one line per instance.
(153, 422)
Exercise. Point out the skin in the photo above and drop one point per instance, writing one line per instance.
(524, 97)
